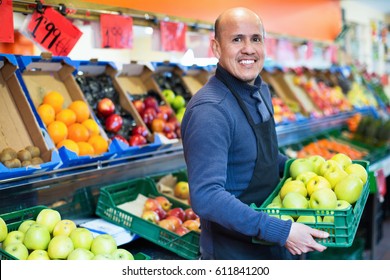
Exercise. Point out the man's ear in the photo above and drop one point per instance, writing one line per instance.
(216, 48)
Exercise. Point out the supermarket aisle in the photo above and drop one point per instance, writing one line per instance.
(383, 247)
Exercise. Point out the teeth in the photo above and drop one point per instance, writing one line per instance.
(247, 61)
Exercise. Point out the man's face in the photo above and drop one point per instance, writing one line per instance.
(240, 46)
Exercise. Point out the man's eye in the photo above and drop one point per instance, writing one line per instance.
(258, 39)
(237, 40)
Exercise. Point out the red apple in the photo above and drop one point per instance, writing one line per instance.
(190, 214)
(140, 130)
(151, 204)
(151, 102)
(105, 107)
(139, 106)
(181, 230)
(175, 220)
(114, 123)
(162, 116)
(166, 109)
(178, 212)
(150, 216)
(164, 202)
(148, 115)
(169, 127)
(137, 140)
(168, 224)
(171, 135)
(120, 138)
(162, 214)
(192, 225)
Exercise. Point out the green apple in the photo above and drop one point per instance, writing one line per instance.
(103, 257)
(316, 183)
(308, 219)
(81, 238)
(277, 199)
(13, 237)
(342, 159)
(283, 217)
(180, 115)
(358, 170)
(306, 176)
(49, 218)
(80, 254)
(334, 175)
(103, 244)
(274, 205)
(38, 255)
(178, 102)
(293, 186)
(18, 250)
(329, 164)
(169, 95)
(323, 198)
(299, 166)
(317, 160)
(122, 254)
(64, 227)
(342, 204)
(25, 225)
(328, 219)
(37, 237)
(349, 189)
(294, 200)
(60, 247)
(3, 230)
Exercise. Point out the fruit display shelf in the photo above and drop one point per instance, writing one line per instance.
(110, 207)
(346, 221)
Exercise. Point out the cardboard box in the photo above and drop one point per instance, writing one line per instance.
(44, 73)
(195, 78)
(94, 68)
(19, 128)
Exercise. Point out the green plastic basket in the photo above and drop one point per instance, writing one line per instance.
(186, 246)
(342, 232)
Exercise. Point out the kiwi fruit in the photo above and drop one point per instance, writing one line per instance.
(34, 151)
(26, 163)
(13, 163)
(36, 161)
(24, 155)
(7, 154)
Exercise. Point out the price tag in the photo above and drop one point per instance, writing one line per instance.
(173, 36)
(116, 31)
(381, 182)
(53, 32)
(7, 21)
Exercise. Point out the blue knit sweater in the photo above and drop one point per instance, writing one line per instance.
(220, 153)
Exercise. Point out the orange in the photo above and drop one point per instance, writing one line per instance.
(58, 131)
(67, 116)
(85, 149)
(92, 126)
(70, 145)
(55, 99)
(99, 144)
(78, 132)
(47, 113)
(81, 109)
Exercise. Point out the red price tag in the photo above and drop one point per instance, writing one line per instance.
(116, 31)
(173, 36)
(381, 182)
(53, 31)
(7, 21)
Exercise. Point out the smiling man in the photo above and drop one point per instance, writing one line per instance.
(231, 151)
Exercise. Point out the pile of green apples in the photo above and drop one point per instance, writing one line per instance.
(49, 237)
(320, 184)
(177, 102)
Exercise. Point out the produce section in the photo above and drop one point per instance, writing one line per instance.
(134, 175)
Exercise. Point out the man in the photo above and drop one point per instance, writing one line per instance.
(231, 151)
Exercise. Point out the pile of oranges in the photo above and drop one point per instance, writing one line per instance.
(71, 127)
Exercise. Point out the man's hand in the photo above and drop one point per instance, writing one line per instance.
(301, 239)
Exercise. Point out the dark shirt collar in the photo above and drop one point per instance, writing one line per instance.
(235, 83)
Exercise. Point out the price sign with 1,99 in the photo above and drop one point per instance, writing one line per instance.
(53, 31)
(116, 31)
(7, 22)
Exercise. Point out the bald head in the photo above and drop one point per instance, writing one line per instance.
(234, 15)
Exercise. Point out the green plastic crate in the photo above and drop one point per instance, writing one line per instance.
(342, 232)
(186, 246)
(355, 252)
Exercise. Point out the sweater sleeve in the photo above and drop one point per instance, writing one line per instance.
(206, 136)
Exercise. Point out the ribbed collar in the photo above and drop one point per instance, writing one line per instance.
(237, 84)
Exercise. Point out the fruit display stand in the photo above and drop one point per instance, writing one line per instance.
(136, 83)
(20, 128)
(195, 77)
(43, 74)
(345, 221)
(98, 81)
(120, 204)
